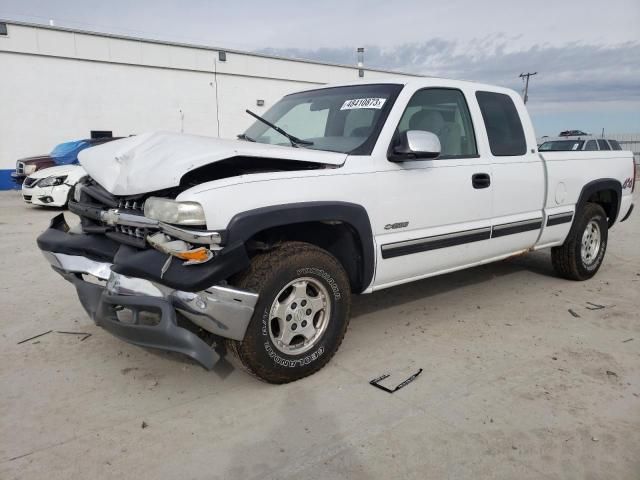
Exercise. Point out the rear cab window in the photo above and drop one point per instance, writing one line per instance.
(615, 145)
(591, 145)
(503, 125)
(603, 145)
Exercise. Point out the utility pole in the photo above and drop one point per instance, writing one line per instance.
(526, 85)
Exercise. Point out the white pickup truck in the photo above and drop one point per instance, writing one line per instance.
(189, 243)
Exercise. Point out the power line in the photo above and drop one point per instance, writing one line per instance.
(526, 84)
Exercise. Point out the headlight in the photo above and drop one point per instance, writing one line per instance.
(52, 181)
(29, 169)
(171, 211)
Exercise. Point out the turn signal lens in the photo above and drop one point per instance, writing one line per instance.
(195, 256)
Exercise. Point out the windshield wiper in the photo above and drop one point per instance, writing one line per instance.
(244, 136)
(295, 141)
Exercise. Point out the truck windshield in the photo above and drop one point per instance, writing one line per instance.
(338, 119)
(561, 145)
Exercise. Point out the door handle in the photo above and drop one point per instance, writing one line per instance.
(480, 180)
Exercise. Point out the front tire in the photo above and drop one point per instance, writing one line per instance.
(301, 315)
(582, 253)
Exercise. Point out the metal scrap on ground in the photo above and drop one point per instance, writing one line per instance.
(85, 334)
(402, 384)
(595, 306)
(36, 336)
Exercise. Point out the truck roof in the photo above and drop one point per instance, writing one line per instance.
(419, 82)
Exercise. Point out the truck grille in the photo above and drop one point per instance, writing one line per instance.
(20, 168)
(135, 205)
(134, 232)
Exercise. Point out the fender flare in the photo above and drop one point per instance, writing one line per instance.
(246, 224)
(597, 186)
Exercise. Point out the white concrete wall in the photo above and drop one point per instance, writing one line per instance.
(57, 85)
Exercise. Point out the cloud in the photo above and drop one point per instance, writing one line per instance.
(570, 76)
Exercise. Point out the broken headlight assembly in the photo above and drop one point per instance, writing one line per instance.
(52, 181)
(174, 212)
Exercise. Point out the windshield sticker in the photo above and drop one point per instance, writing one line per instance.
(355, 103)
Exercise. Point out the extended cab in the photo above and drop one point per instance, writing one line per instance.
(187, 243)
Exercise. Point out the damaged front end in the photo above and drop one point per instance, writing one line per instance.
(145, 280)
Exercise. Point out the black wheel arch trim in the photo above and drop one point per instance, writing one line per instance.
(628, 213)
(246, 224)
(599, 185)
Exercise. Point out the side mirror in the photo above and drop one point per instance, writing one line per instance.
(415, 145)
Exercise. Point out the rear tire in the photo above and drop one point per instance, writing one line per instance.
(301, 315)
(582, 253)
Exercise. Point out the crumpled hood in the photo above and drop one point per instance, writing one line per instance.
(55, 171)
(158, 160)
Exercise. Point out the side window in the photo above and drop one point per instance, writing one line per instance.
(615, 145)
(603, 145)
(506, 136)
(591, 145)
(442, 111)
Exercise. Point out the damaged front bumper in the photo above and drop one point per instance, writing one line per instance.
(148, 311)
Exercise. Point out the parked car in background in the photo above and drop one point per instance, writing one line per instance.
(587, 144)
(63, 154)
(53, 186)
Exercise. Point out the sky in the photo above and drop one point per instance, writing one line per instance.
(586, 53)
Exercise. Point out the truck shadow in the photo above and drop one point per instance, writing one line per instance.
(538, 263)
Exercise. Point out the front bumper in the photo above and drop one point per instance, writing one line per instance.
(144, 312)
(55, 196)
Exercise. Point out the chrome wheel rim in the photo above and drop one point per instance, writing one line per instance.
(591, 239)
(299, 316)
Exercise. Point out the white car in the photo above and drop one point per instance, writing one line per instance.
(52, 186)
(259, 243)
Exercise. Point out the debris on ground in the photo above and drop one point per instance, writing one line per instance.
(627, 340)
(144, 424)
(574, 313)
(595, 439)
(595, 306)
(35, 336)
(402, 384)
(84, 334)
(611, 374)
